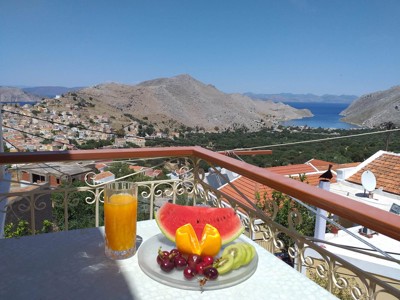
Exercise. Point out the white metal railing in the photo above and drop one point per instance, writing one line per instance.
(305, 253)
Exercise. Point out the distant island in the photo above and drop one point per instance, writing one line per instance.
(289, 97)
(50, 91)
(32, 94)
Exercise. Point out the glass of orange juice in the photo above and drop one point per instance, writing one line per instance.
(120, 217)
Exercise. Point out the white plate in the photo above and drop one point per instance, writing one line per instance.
(147, 258)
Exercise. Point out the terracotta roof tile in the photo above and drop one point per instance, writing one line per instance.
(100, 166)
(313, 179)
(386, 169)
(102, 175)
(249, 187)
(322, 165)
(342, 166)
(317, 163)
(292, 169)
(136, 168)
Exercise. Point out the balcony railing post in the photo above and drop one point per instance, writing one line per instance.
(152, 192)
(175, 191)
(97, 208)
(32, 212)
(65, 205)
(330, 277)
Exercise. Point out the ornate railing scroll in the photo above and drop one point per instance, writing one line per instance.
(336, 274)
(26, 206)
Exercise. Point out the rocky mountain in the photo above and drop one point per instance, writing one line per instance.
(11, 94)
(288, 97)
(183, 100)
(374, 109)
(50, 91)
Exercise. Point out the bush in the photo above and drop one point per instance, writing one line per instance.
(22, 228)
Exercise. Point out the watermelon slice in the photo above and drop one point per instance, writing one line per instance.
(172, 216)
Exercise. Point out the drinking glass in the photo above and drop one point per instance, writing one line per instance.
(120, 217)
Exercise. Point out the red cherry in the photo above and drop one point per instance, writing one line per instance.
(162, 255)
(189, 272)
(193, 260)
(200, 268)
(180, 262)
(208, 260)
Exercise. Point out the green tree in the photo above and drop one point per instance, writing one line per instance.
(120, 169)
(287, 208)
(80, 213)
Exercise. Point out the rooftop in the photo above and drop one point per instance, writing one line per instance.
(367, 262)
(58, 168)
(249, 187)
(386, 168)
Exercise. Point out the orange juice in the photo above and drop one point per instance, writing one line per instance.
(120, 213)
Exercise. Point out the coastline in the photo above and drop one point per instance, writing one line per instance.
(326, 115)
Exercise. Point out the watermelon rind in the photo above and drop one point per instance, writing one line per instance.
(172, 216)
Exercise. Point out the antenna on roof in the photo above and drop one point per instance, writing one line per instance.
(368, 181)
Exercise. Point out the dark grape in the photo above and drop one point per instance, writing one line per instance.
(208, 260)
(189, 272)
(210, 273)
(180, 262)
(167, 265)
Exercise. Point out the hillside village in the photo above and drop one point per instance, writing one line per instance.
(38, 128)
(67, 124)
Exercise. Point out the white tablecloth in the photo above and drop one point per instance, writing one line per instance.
(72, 265)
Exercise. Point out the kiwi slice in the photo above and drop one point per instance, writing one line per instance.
(237, 252)
(224, 264)
(250, 253)
(247, 257)
(253, 252)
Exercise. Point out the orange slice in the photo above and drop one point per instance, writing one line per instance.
(187, 242)
(211, 241)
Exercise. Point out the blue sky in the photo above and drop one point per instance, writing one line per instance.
(265, 46)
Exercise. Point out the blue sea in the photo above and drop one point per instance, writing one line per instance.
(326, 115)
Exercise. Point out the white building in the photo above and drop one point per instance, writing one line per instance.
(385, 167)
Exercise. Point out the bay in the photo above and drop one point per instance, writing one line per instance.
(326, 115)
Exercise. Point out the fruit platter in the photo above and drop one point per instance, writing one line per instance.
(199, 248)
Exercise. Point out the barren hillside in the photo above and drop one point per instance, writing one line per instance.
(183, 100)
(374, 109)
